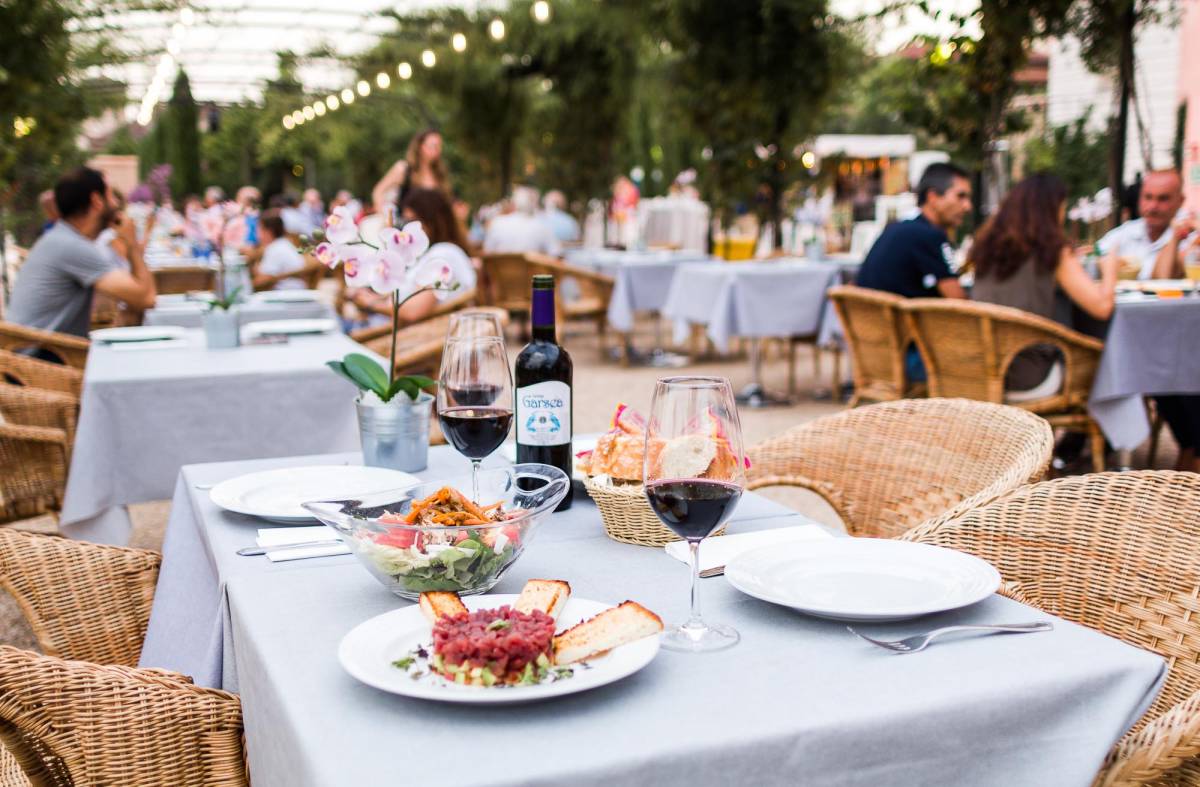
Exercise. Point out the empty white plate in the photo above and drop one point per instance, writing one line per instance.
(864, 579)
(138, 333)
(290, 327)
(368, 651)
(276, 495)
(287, 296)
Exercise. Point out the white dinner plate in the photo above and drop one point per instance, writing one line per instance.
(578, 443)
(287, 296)
(138, 333)
(864, 579)
(291, 327)
(276, 495)
(368, 651)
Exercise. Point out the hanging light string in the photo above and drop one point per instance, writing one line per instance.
(540, 11)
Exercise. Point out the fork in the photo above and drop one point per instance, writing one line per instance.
(921, 641)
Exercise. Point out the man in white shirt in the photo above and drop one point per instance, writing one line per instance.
(562, 224)
(279, 255)
(1154, 240)
(521, 230)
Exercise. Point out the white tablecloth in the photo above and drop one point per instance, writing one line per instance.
(641, 279)
(675, 221)
(147, 411)
(798, 701)
(750, 299)
(193, 316)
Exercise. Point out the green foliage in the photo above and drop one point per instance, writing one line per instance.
(181, 131)
(1072, 153)
(368, 375)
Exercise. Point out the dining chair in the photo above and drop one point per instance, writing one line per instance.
(27, 406)
(1119, 553)
(83, 601)
(173, 281)
(78, 723)
(967, 347)
(23, 370)
(888, 467)
(877, 336)
(508, 280)
(33, 471)
(595, 291)
(70, 350)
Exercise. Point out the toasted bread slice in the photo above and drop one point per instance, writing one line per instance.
(548, 595)
(612, 628)
(440, 603)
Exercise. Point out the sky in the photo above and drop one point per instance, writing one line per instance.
(228, 46)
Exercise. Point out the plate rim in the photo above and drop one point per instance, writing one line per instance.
(459, 696)
(734, 568)
(114, 333)
(221, 490)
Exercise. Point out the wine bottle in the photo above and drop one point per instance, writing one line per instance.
(543, 382)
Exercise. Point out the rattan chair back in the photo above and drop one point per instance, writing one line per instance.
(71, 350)
(33, 471)
(83, 601)
(890, 466)
(1119, 553)
(877, 336)
(507, 277)
(171, 281)
(76, 723)
(22, 370)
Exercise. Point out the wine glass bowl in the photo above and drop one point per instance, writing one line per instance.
(694, 473)
(475, 397)
(470, 323)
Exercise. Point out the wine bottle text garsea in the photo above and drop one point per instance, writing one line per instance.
(543, 382)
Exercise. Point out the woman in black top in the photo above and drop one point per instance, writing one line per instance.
(421, 168)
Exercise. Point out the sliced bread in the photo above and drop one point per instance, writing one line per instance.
(548, 595)
(610, 629)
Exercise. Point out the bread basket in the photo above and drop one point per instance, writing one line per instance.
(627, 515)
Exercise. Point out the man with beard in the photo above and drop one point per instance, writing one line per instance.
(65, 267)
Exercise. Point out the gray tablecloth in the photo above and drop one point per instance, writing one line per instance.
(1153, 347)
(798, 701)
(247, 313)
(750, 299)
(146, 412)
(641, 279)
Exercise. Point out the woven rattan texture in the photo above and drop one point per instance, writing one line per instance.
(35, 447)
(888, 467)
(1120, 553)
(23, 370)
(877, 335)
(628, 517)
(82, 724)
(71, 350)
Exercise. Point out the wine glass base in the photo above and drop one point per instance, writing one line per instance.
(704, 638)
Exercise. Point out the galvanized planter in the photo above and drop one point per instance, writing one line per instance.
(395, 435)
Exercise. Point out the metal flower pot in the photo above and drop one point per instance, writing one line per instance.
(221, 328)
(396, 435)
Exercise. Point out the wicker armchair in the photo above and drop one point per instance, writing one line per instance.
(24, 406)
(76, 723)
(888, 467)
(1120, 553)
(23, 370)
(71, 350)
(967, 347)
(312, 273)
(595, 291)
(508, 282)
(170, 281)
(877, 336)
(33, 471)
(83, 601)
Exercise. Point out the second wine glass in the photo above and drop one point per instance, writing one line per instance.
(474, 400)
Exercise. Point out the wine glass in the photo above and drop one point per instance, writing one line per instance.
(475, 398)
(474, 322)
(694, 473)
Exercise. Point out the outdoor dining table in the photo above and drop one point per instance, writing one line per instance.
(149, 408)
(1152, 347)
(191, 314)
(798, 700)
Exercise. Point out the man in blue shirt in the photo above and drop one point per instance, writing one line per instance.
(912, 258)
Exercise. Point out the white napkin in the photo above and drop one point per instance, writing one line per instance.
(272, 536)
(719, 551)
(164, 344)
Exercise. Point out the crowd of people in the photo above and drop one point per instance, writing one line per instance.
(1021, 258)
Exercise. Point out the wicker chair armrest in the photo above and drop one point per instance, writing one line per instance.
(826, 490)
(1156, 749)
(35, 434)
(37, 407)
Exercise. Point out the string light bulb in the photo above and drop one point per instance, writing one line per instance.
(541, 11)
(347, 96)
(428, 58)
(496, 29)
(288, 123)
(363, 88)
(459, 42)
(298, 118)
(308, 113)
(383, 80)
(332, 102)
(404, 71)
(319, 108)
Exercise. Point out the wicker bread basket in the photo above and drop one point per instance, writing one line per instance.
(627, 515)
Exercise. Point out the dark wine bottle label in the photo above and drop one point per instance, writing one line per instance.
(545, 414)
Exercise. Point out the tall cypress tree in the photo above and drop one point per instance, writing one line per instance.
(182, 136)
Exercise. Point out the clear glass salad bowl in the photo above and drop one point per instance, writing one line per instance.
(465, 559)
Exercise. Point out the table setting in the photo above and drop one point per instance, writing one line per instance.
(188, 310)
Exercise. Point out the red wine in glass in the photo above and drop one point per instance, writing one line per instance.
(475, 395)
(474, 399)
(475, 431)
(693, 508)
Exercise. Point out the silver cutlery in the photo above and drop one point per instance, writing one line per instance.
(255, 551)
(921, 641)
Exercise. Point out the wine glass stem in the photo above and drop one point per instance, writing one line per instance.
(694, 620)
(475, 481)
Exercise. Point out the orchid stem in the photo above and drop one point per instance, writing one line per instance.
(395, 330)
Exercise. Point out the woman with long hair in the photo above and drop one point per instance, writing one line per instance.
(447, 251)
(1022, 259)
(421, 168)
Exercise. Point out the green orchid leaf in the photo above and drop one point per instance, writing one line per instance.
(340, 368)
(369, 374)
(406, 385)
(421, 381)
